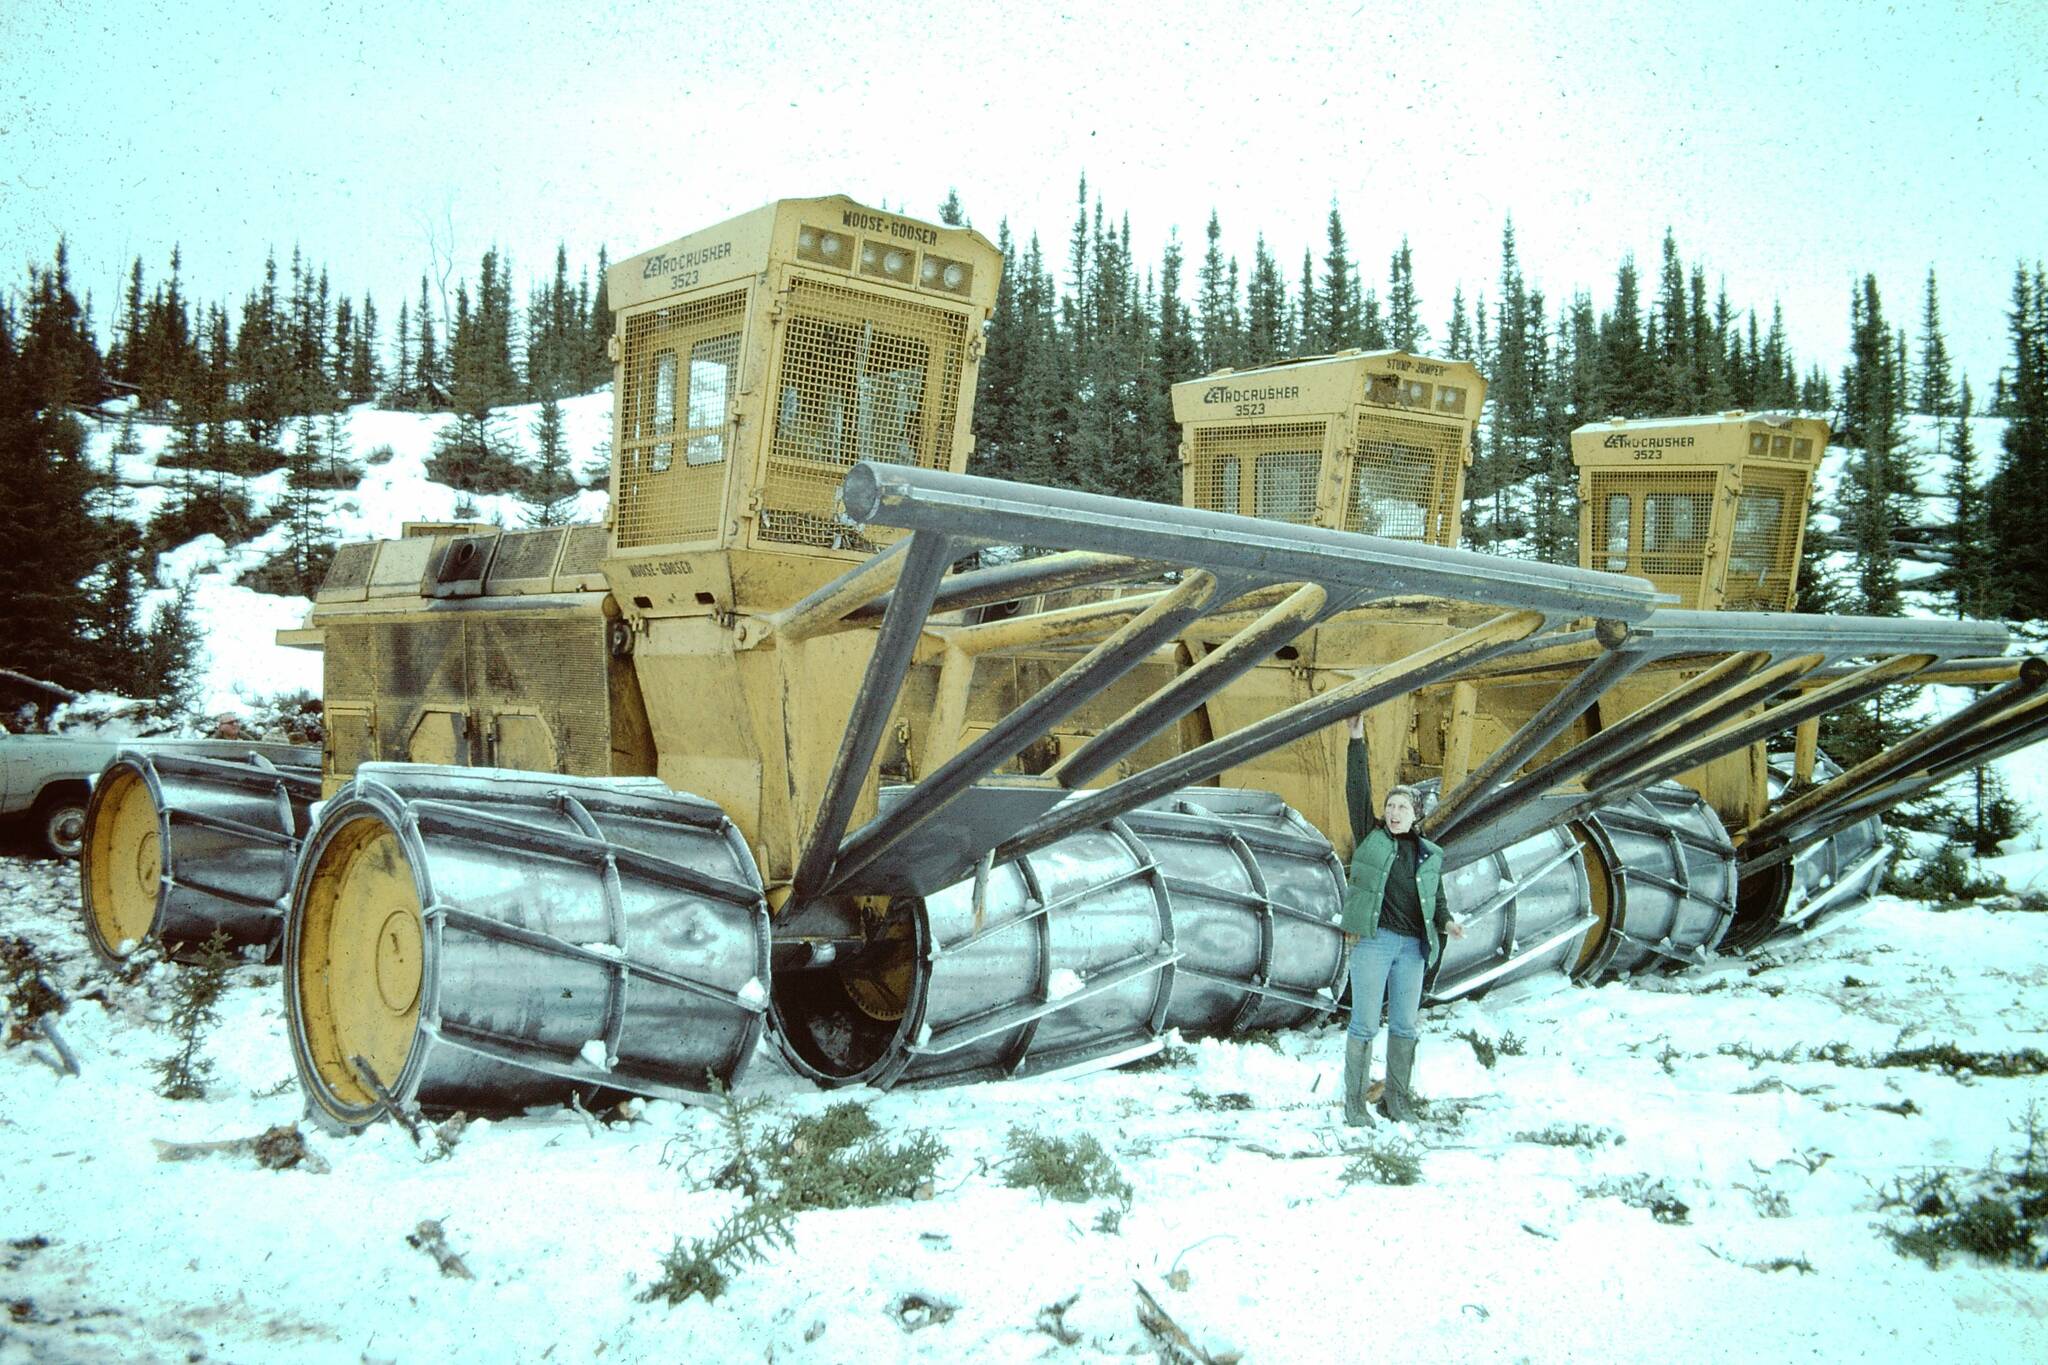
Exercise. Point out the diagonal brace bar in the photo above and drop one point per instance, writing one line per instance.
(1304, 609)
(1547, 724)
(1192, 598)
(1442, 660)
(929, 554)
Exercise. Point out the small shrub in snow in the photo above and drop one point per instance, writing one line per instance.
(1387, 1161)
(1482, 1047)
(1072, 1172)
(194, 993)
(705, 1265)
(1230, 1101)
(1954, 1060)
(1571, 1135)
(1052, 1320)
(1756, 1056)
(859, 1172)
(1491, 1050)
(380, 455)
(1264, 1037)
(834, 1160)
(2000, 1215)
(1767, 1202)
(1948, 877)
(1643, 1192)
(29, 994)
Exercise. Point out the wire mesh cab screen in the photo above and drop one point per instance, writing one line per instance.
(1283, 460)
(1656, 525)
(861, 377)
(1763, 560)
(1404, 479)
(679, 376)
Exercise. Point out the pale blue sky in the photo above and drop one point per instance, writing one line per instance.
(1792, 146)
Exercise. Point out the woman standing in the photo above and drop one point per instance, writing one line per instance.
(1393, 922)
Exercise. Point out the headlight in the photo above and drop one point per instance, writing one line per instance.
(823, 246)
(940, 273)
(889, 262)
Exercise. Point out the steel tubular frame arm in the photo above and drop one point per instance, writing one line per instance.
(925, 564)
(1235, 657)
(1901, 758)
(1784, 832)
(1434, 664)
(1196, 595)
(1692, 725)
(993, 511)
(1571, 701)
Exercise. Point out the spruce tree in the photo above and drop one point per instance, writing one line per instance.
(1673, 393)
(1967, 577)
(171, 666)
(550, 490)
(1627, 373)
(1214, 304)
(595, 370)
(950, 212)
(298, 568)
(1341, 311)
(364, 376)
(1933, 395)
(1405, 329)
(995, 394)
(1265, 311)
(429, 384)
(1879, 490)
(1458, 330)
(2019, 491)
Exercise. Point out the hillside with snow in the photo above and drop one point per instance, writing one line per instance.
(1749, 1161)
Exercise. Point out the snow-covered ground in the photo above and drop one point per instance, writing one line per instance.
(1703, 1089)
(1741, 1091)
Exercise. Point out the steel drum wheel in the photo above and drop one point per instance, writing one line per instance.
(357, 962)
(122, 862)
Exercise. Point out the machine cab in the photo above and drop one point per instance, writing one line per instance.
(1711, 509)
(1372, 441)
(755, 362)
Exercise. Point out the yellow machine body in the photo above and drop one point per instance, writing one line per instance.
(754, 362)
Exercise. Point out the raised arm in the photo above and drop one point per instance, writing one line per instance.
(1358, 782)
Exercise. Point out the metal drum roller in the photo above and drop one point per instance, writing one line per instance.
(1063, 958)
(1822, 886)
(1664, 884)
(1257, 895)
(1526, 910)
(491, 939)
(182, 841)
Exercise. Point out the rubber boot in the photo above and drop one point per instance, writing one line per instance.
(1399, 1101)
(1357, 1071)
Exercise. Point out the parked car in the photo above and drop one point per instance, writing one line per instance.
(47, 779)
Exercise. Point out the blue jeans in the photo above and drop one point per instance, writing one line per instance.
(1386, 967)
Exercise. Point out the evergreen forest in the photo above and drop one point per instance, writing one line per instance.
(1074, 390)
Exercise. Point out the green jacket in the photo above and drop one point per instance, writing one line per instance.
(1373, 858)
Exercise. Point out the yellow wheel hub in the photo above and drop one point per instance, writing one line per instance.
(123, 861)
(879, 980)
(360, 960)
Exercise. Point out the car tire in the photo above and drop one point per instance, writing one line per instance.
(58, 824)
